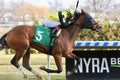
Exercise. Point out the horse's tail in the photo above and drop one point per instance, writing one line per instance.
(3, 43)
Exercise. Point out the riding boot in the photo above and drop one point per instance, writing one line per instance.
(53, 33)
(65, 24)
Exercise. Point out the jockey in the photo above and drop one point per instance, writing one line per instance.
(57, 20)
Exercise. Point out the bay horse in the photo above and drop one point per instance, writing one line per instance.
(20, 38)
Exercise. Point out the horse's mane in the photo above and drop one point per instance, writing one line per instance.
(76, 17)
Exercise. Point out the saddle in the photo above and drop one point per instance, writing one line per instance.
(42, 35)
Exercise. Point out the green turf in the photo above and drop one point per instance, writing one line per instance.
(9, 72)
(31, 77)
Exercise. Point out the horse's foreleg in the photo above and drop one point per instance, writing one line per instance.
(77, 62)
(73, 56)
(15, 61)
(58, 60)
(26, 64)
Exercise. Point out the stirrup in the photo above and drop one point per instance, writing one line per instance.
(53, 35)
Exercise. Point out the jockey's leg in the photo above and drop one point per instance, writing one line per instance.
(54, 32)
(52, 24)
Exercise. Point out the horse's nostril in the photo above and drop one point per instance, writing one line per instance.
(99, 29)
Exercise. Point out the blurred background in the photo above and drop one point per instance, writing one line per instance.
(33, 12)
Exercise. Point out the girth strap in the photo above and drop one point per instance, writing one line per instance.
(50, 47)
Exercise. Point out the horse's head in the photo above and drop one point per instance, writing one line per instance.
(86, 21)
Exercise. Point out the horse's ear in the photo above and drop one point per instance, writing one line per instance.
(82, 11)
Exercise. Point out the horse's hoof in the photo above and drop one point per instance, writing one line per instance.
(39, 76)
(42, 67)
(43, 79)
(25, 77)
(1, 47)
(69, 73)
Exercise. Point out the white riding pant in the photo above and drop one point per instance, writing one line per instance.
(49, 23)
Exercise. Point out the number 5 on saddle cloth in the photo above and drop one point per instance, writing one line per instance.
(42, 35)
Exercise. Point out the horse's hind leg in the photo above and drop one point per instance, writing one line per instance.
(16, 59)
(26, 64)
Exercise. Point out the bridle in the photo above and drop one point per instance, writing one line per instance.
(87, 21)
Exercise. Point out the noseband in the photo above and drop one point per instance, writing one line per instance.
(87, 21)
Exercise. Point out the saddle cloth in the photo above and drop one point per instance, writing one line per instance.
(42, 35)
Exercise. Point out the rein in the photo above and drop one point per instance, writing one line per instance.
(87, 23)
(77, 24)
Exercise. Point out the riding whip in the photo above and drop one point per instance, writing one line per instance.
(77, 4)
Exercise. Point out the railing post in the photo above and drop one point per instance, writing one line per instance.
(48, 60)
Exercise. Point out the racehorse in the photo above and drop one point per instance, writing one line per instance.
(20, 38)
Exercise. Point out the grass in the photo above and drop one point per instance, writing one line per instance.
(31, 77)
(9, 72)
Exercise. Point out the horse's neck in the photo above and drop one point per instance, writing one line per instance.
(72, 32)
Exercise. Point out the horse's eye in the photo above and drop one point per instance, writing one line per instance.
(90, 18)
